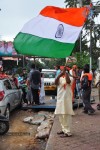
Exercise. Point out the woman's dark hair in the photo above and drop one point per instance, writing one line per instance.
(86, 68)
(42, 74)
(40, 69)
(36, 77)
(58, 67)
(33, 66)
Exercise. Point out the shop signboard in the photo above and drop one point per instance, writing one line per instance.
(7, 49)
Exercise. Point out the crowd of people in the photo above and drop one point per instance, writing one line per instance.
(71, 83)
(32, 84)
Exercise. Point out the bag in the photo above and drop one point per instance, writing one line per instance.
(85, 82)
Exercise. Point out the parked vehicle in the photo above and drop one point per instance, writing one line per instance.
(49, 80)
(4, 125)
(10, 96)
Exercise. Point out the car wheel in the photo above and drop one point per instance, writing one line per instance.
(4, 127)
(7, 112)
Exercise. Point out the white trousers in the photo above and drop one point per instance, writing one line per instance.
(66, 122)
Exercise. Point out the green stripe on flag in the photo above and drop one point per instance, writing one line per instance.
(36, 46)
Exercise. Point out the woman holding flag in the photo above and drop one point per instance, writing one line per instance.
(64, 103)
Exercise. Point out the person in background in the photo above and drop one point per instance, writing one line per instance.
(2, 73)
(86, 90)
(24, 74)
(73, 78)
(78, 83)
(35, 84)
(1, 69)
(64, 103)
(22, 85)
(40, 69)
(15, 80)
(42, 91)
(57, 67)
(29, 92)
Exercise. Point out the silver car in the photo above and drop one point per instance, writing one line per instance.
(10, 96)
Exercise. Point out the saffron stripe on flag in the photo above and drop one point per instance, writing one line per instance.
(72, 16)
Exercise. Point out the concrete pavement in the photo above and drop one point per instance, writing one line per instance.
(85, 130)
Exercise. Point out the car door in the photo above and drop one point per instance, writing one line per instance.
(17, 93)
(9, 94)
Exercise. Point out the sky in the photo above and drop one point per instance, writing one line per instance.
(15, 13)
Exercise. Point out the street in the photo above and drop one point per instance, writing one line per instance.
(21, 136)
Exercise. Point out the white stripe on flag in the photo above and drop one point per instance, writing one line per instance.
(46, 27)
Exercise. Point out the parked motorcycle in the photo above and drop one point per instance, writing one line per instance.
(4, 125)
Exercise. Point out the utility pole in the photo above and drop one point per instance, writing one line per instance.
(79, 4)
(81, 42)
(91, 45)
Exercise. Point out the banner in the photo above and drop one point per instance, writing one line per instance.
(7, 49)
(71, 59)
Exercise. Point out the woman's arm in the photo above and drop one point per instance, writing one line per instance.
(57, 79)
(67, 78)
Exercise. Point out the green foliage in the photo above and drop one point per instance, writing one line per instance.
(71, 3)
(82, 59)
(36, 62)
(50, 63)
(88, 27)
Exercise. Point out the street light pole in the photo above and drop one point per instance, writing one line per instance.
(91, 45)
(79, 4)
(81, 42)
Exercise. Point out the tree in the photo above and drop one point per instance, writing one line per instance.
(82, 59)
(95, 31)
(50, 63)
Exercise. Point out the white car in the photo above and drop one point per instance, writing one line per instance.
(49, 80)
(10, 96)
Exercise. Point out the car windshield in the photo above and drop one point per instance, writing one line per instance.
(49, 74)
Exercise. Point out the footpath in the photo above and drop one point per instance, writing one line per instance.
(85, 130)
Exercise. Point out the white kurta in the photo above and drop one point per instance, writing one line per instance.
(64, 98)
(42, 91)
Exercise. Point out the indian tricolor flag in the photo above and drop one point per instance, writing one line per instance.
(52, 33)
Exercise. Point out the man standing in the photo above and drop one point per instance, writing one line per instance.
(29, 92)
(35, 84)
(64, 103)
(86, 90)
